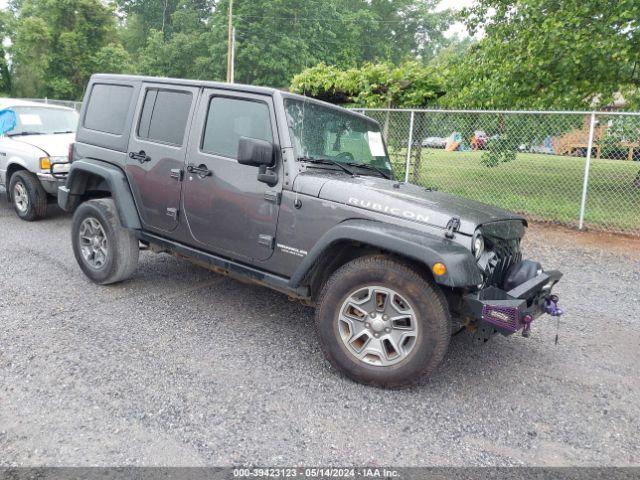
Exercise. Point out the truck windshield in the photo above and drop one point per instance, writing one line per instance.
(324, 133)
(43, 121)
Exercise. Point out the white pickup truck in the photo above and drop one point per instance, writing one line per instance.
(39, 136)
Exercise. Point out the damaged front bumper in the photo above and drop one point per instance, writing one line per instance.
(507, 312)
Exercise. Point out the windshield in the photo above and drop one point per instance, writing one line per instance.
(320, 132)
(43, 121)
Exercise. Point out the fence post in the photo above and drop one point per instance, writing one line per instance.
(406, 168)
(585, 184)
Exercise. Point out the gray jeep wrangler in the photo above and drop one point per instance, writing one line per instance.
(297, 195)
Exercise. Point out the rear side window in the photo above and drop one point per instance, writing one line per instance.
(229, 119)
(164, 116)
(108, 107)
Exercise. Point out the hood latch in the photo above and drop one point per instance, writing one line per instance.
(453, 225)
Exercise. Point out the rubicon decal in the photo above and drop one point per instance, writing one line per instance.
(398, 212)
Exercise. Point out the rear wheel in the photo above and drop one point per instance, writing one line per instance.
(105, 250)
(382, 323)
(28, 198)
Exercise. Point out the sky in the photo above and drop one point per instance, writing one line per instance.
(457, 28)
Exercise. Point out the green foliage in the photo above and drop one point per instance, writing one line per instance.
(57, 44)
(547, 54)
(373, 85)
(276, 39)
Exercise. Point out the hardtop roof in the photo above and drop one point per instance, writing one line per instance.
(232, 87)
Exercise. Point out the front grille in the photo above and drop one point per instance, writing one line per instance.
(506, 253)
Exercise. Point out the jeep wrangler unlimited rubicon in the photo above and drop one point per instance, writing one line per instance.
(297, 195)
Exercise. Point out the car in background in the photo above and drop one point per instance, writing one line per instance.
(434, 142)
(37, 136)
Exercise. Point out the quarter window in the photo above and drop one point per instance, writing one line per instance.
(108, 107)
(229, 119)
(164, 116)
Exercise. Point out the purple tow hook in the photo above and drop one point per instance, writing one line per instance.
(551, 306)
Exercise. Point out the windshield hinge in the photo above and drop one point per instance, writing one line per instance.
(453, 225)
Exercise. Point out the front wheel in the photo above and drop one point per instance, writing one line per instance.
(105, 250)
(382, 323)
(28, 197)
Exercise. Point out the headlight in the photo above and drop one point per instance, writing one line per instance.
(477, 245)
(45, 163)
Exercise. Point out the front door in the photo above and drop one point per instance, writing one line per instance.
(228, 210)
(157, 150)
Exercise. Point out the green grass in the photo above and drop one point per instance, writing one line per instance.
(544, 187)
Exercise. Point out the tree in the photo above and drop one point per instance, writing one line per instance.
(185, 51)
(547, 54)
(58, 44)
(381, 85)
(276, 40)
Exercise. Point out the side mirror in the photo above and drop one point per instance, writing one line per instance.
(257, 153)
(7, 121)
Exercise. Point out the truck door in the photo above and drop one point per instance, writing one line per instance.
(157, 150)
(228, 209)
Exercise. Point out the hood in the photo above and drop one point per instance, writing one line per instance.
(409, 202)
(52, 145)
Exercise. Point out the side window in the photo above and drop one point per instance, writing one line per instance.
(164, 116)
(108, 107)
(229, 119)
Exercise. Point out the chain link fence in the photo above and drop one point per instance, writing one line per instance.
(578, 169)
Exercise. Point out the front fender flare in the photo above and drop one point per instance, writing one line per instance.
(462, 270)
(116, 180)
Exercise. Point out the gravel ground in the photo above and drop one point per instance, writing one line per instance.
(179, 366)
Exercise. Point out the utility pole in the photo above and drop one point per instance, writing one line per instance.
(230, 45)
(233, 55)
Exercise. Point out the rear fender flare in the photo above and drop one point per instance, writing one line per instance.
(116, 180)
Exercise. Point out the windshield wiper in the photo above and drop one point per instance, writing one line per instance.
(370, 167)
(24, 133)
(64, 131)
(326, 161)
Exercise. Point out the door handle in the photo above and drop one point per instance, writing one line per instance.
(201, 170)
(141, 156)
(176, 174)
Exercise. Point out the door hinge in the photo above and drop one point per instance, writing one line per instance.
(273, 196)
(452, 227)
(266, 240)
(172, 212)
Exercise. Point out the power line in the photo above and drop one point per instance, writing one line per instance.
(321, 19)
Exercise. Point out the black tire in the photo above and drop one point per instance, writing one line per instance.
(34, 193)
(426, 299)
(122, 247)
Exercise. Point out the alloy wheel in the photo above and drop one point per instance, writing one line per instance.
(378, 326)
(93, 243)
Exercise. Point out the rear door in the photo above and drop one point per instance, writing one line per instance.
(157, 150)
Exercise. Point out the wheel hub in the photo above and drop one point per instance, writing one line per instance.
(93, 243)
(20, 197)
(378, 326)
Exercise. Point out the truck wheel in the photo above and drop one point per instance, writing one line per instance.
(28, 198)
(381, 323)
(106, 252)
